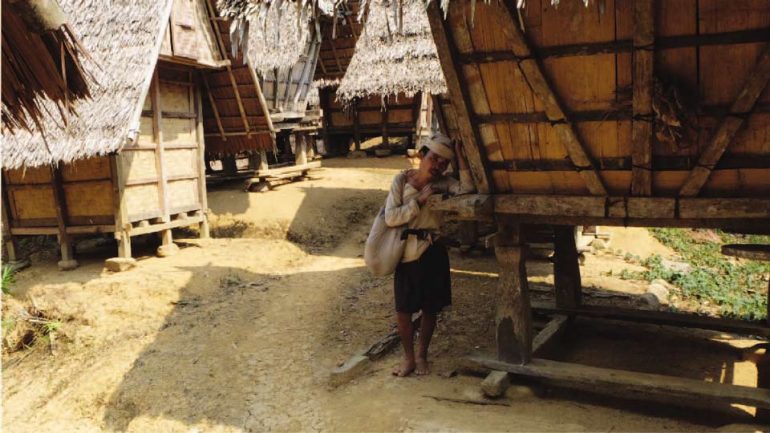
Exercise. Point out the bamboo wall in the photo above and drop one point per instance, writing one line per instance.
(189, 34)
(161, 173)
(706, 49)
(87, 191)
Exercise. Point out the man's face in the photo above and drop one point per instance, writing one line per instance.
(434, 164)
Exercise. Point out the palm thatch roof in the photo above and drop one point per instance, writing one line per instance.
(273, 34)
(395, 54)
(124, 39)
(41, 59)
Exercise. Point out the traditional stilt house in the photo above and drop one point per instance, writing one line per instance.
(391, 77)
(131, 161)
(625, 113)
(276, 55)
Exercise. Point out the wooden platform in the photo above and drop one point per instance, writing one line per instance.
(262, 179)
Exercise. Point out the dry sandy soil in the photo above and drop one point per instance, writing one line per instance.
(240, 332)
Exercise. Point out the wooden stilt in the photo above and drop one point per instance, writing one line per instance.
(229, 165)
(384, 125)
(300, 149)
(263, 165)
(566, 268)
(65, 242)
(9, 240)
(124, 245)
(514, 318)
(356, 132)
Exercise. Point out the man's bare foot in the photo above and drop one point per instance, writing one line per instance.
(422, 368)
(405, 369)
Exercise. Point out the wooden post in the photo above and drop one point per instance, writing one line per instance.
(642, 127)
(122, 226)
(356, 132)
(160, 158)
(514, 317)
(384, 122)
(263, 166)
(323, 99)
(68, 261)
(566, 268)
(203, 226)
(300, 149)
(8, 239)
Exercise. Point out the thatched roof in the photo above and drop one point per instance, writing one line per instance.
(274, 34)
(124, 39)
(392, 57)
(34, 33)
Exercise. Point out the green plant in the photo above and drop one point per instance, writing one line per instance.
(737, 287)
(8, 278)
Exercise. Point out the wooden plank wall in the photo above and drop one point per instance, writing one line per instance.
(234, 119)
(161, 170)
(87, 189)
(706, 48)
(402, 114)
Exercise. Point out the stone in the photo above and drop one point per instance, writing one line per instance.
(167, 250)
(357, 154)
(119, 264)
(495, 384)
(67, 265)
(680, 267)
(660, 292)
(352, 368)
(599, 244)
(649, 301)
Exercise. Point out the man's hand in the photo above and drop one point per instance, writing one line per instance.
(424, 194)
(462, 161)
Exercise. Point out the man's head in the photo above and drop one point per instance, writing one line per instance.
(435, 155)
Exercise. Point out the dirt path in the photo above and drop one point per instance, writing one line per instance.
(236, 335)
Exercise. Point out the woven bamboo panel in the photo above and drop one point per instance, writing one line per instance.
(183, 194)
(97, 167)
(178, 131)
(181, 162)
(32, 203)
(138, 165)
(142, 201)
(89, 199)
(174, 97)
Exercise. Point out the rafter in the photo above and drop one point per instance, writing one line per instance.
(460, 98)
(539, 84)
(728, 128)
(238, 99)
(214, 108)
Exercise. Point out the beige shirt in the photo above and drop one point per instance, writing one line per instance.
(401, 208)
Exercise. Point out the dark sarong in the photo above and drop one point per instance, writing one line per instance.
(424, 284)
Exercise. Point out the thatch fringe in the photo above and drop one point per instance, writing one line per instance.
(395, 54)
(37, 41)
(124, 39)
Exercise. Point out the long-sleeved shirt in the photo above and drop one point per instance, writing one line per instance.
(401, 208)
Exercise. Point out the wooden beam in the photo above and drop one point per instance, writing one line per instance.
(458, 93)
(336, 58)
(633, 384)
(463, 207)
(643, 82)
(119, 202)
(238, 99)
(214, 108)
(513, 318)
(740, 327)
(160, 158)
(546, 339)
(538, 82)
(728, 128)
(60, 203)
(356, 124)
(384, 122)
(262, 103)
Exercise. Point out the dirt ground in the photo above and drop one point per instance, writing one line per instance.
(239, 332)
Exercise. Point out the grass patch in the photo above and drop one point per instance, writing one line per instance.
(738, 288)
